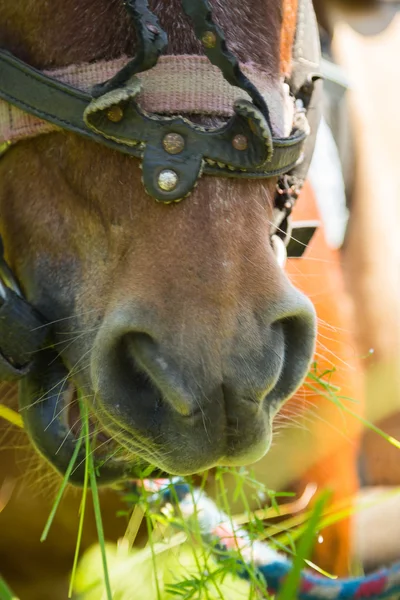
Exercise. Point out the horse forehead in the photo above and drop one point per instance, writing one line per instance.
(55, 34)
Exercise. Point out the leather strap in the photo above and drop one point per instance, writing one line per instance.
(244, 147)
(22, 333)
(306, 81)
(216, 50)
(76, 111)
(306, 84)
(22, 329)
(152, 40)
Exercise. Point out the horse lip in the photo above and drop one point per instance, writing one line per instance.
(46, 424)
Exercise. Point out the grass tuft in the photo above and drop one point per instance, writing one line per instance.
(304, 549)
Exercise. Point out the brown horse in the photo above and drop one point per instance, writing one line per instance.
(178, 319)
(182, 312)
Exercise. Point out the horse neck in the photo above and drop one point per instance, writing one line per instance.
(58, 33)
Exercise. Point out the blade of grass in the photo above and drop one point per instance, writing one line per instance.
(270, 512)
(98, 519)
(369, 425)
(334, 397)
(85, 434)
(252, 574)
(153, 555)
(320, 571)
(134, 524)
(5, 592)
(61, 490)
(291, 584)
(11, 416)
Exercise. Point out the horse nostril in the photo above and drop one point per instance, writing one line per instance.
(130, 365)
(298, 332)
(137, 363)
(152, 404)
(160, 371)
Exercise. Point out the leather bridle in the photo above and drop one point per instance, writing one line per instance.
(174, 151)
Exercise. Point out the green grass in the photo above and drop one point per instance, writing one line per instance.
(304, 549)
(99, 525)
(61, 491)
(82, 507)
(325, 389)
(89, 477)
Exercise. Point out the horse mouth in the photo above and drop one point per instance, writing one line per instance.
(53, 418)
(132, 428)
(51, 406)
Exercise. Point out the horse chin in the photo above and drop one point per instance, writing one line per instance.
(50, 410)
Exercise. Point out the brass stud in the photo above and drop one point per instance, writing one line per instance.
(115, 113)
(173, 143)
(240, 142)
(167, 180)
(209, 39)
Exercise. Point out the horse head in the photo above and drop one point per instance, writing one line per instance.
(173, 323)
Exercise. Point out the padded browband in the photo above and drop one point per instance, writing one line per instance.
(110, 115)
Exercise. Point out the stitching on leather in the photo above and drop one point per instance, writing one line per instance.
(10, 117)
(41, 114)
(139, 154)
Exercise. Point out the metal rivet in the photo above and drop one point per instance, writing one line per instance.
(209, 39)
(239, 142)
(115, 113)
(167, 180)
(173, 143)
